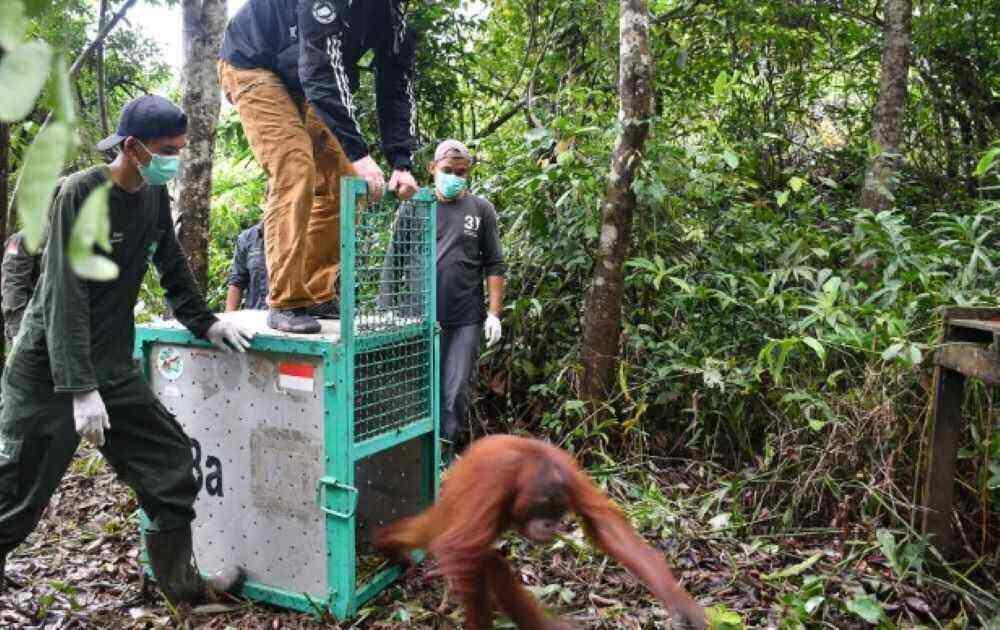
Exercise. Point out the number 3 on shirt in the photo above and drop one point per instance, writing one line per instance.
(472, 223)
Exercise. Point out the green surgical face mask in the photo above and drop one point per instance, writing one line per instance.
(161, 168)
(450, 186)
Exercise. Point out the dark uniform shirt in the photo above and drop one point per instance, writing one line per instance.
(78, 334)
(249, 268)
(468, 251)
(315, 46)
(18, 277)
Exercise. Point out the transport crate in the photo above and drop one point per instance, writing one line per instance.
(307, 443)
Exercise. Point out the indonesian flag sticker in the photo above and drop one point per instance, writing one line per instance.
(296, 376)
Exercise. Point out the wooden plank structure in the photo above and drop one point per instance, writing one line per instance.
(970, 349)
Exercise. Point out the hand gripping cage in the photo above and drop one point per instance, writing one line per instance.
(307, 443)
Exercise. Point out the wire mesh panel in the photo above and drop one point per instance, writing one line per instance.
(387, 295)
(392, 264)
(391, 386)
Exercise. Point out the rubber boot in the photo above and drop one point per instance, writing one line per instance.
(171, 557)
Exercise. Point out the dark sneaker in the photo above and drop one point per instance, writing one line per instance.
(325, 310)
(293, 320)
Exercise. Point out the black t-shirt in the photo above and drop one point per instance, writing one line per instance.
(468, 251)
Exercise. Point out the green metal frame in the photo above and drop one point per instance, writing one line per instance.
(336, 493)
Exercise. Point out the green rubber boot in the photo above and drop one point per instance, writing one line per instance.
(171, 557)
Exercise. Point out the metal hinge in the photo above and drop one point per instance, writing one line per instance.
(330, 482)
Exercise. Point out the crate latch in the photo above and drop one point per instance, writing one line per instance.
(331, 483)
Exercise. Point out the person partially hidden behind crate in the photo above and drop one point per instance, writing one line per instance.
(19, 274)
(248, 273)
(468, 253)
(71, 373)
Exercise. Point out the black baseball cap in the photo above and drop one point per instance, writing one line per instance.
(148, 116)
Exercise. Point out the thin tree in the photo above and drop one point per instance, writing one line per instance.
(204, 21)
(603, 305)
(102, 100)
(887, 120)
(4, 183)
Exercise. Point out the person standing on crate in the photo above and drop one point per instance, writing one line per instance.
(290, 68)
(248, 273)
(468, 253)
(71, 373)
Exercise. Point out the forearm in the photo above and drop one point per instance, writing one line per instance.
(495, 286)
(234, 297)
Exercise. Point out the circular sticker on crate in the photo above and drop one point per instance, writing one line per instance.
(169, 363)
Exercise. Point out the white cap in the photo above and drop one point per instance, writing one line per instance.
(452, 149)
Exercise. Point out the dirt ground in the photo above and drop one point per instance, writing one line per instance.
(80, 570)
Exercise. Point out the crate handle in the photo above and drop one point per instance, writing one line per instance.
(321, 486)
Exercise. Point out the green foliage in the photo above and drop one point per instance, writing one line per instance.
(93, 228)
(26, 67)
(43, 164)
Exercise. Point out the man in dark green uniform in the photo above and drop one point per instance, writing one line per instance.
(72, 366)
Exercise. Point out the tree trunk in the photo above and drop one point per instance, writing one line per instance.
(4, 205)
(887, 121)
(204, 21)
(603, 305)
(102, 101)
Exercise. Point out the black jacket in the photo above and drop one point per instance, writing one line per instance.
(315, 45)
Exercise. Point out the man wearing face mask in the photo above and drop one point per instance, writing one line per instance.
(468, 253)
(290, 67)
(71, 372)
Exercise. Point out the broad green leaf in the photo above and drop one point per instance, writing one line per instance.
(795, 569)
(721, 618)
(574, 405)
(94, 267)
(536, 133)
(684, 286)
(720, 521)
(565, 158)
(92, 228)
(994, 481)
(892, 352)
(721, 85)
(817, 347)
(887, 543)
(866, 607)
(813, 604)
(986, 162)
(65, 107)
(42, 164)
(796, 183)
(22, 75)
(782, 197)
(12, 23)
(731, 158)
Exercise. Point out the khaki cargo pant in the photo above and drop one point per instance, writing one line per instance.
(304, 162)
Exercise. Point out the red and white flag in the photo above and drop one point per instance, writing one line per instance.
(297, 376)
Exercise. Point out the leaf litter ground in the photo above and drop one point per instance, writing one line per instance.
(80, 569)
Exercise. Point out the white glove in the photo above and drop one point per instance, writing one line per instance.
(403, 184)
(369, 170)
(91, 417)
(227, 336)
(492, 329)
